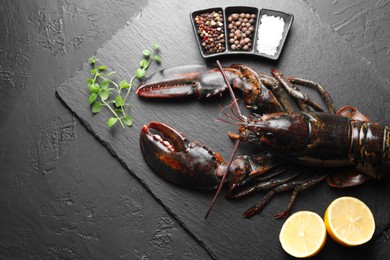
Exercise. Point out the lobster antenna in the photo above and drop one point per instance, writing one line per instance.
(226, 114)
(229, 88)
(232, 120)
(223, 179)
(237, 112)
(235, 146)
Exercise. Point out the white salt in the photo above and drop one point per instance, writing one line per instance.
(270, 34)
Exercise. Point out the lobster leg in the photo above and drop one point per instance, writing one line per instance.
(297, 186)
(247, 168)
(262, 93)
(265, 185)
(306, 184)
(274, 85)
(323, 92)
(258, 91)
(302, 105)
(295, 93)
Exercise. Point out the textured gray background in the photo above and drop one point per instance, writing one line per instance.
(56, 195)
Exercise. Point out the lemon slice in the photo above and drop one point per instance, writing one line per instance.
(303, 234)
(349, 221)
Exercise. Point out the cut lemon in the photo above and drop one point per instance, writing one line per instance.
(349, 221)
(303, 234)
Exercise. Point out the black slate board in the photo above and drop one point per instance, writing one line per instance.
(312, 51)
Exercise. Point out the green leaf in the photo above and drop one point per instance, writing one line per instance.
(140, 73)
(111, 73)
(92, 98)
(92, 60)
(102, 68)
(104, 94)
(89, 81)
(128, 120)
(94, 88)
(143, 63)
(97, 107)
(157, 58)
(155, 46)
(146, 52)
(105, 84)
(123, 84)
(112, 121)
(118, 101)
(93, 71)
(118, 111)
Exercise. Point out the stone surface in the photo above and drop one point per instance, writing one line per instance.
(63, 196)
(312, 44)
(363, 24)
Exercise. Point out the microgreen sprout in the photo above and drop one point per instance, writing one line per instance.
(104, 92)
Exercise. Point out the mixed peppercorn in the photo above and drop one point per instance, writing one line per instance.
(241, 29)
(210, 28)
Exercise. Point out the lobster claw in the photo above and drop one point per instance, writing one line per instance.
(187, 163)
(204, 82)
(182, 81)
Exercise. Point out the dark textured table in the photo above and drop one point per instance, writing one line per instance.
(62, 193)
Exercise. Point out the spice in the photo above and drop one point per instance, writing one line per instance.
(210, 29)
(241, 30)
(270, 34)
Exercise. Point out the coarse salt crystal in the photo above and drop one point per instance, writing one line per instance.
(270, 34)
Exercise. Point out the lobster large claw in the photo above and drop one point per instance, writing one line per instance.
(203, 82)
(189, 80)
(187, 163)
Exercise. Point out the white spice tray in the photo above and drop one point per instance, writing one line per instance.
(288, 19)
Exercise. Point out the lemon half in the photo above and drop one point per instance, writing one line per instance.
(303, 234)
(349, 221)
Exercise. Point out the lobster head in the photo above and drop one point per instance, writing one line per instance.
(172, 156)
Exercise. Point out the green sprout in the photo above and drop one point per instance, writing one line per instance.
(104, 92)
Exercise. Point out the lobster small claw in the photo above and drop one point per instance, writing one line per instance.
(171, 155)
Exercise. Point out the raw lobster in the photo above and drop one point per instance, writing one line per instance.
(346, 147)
